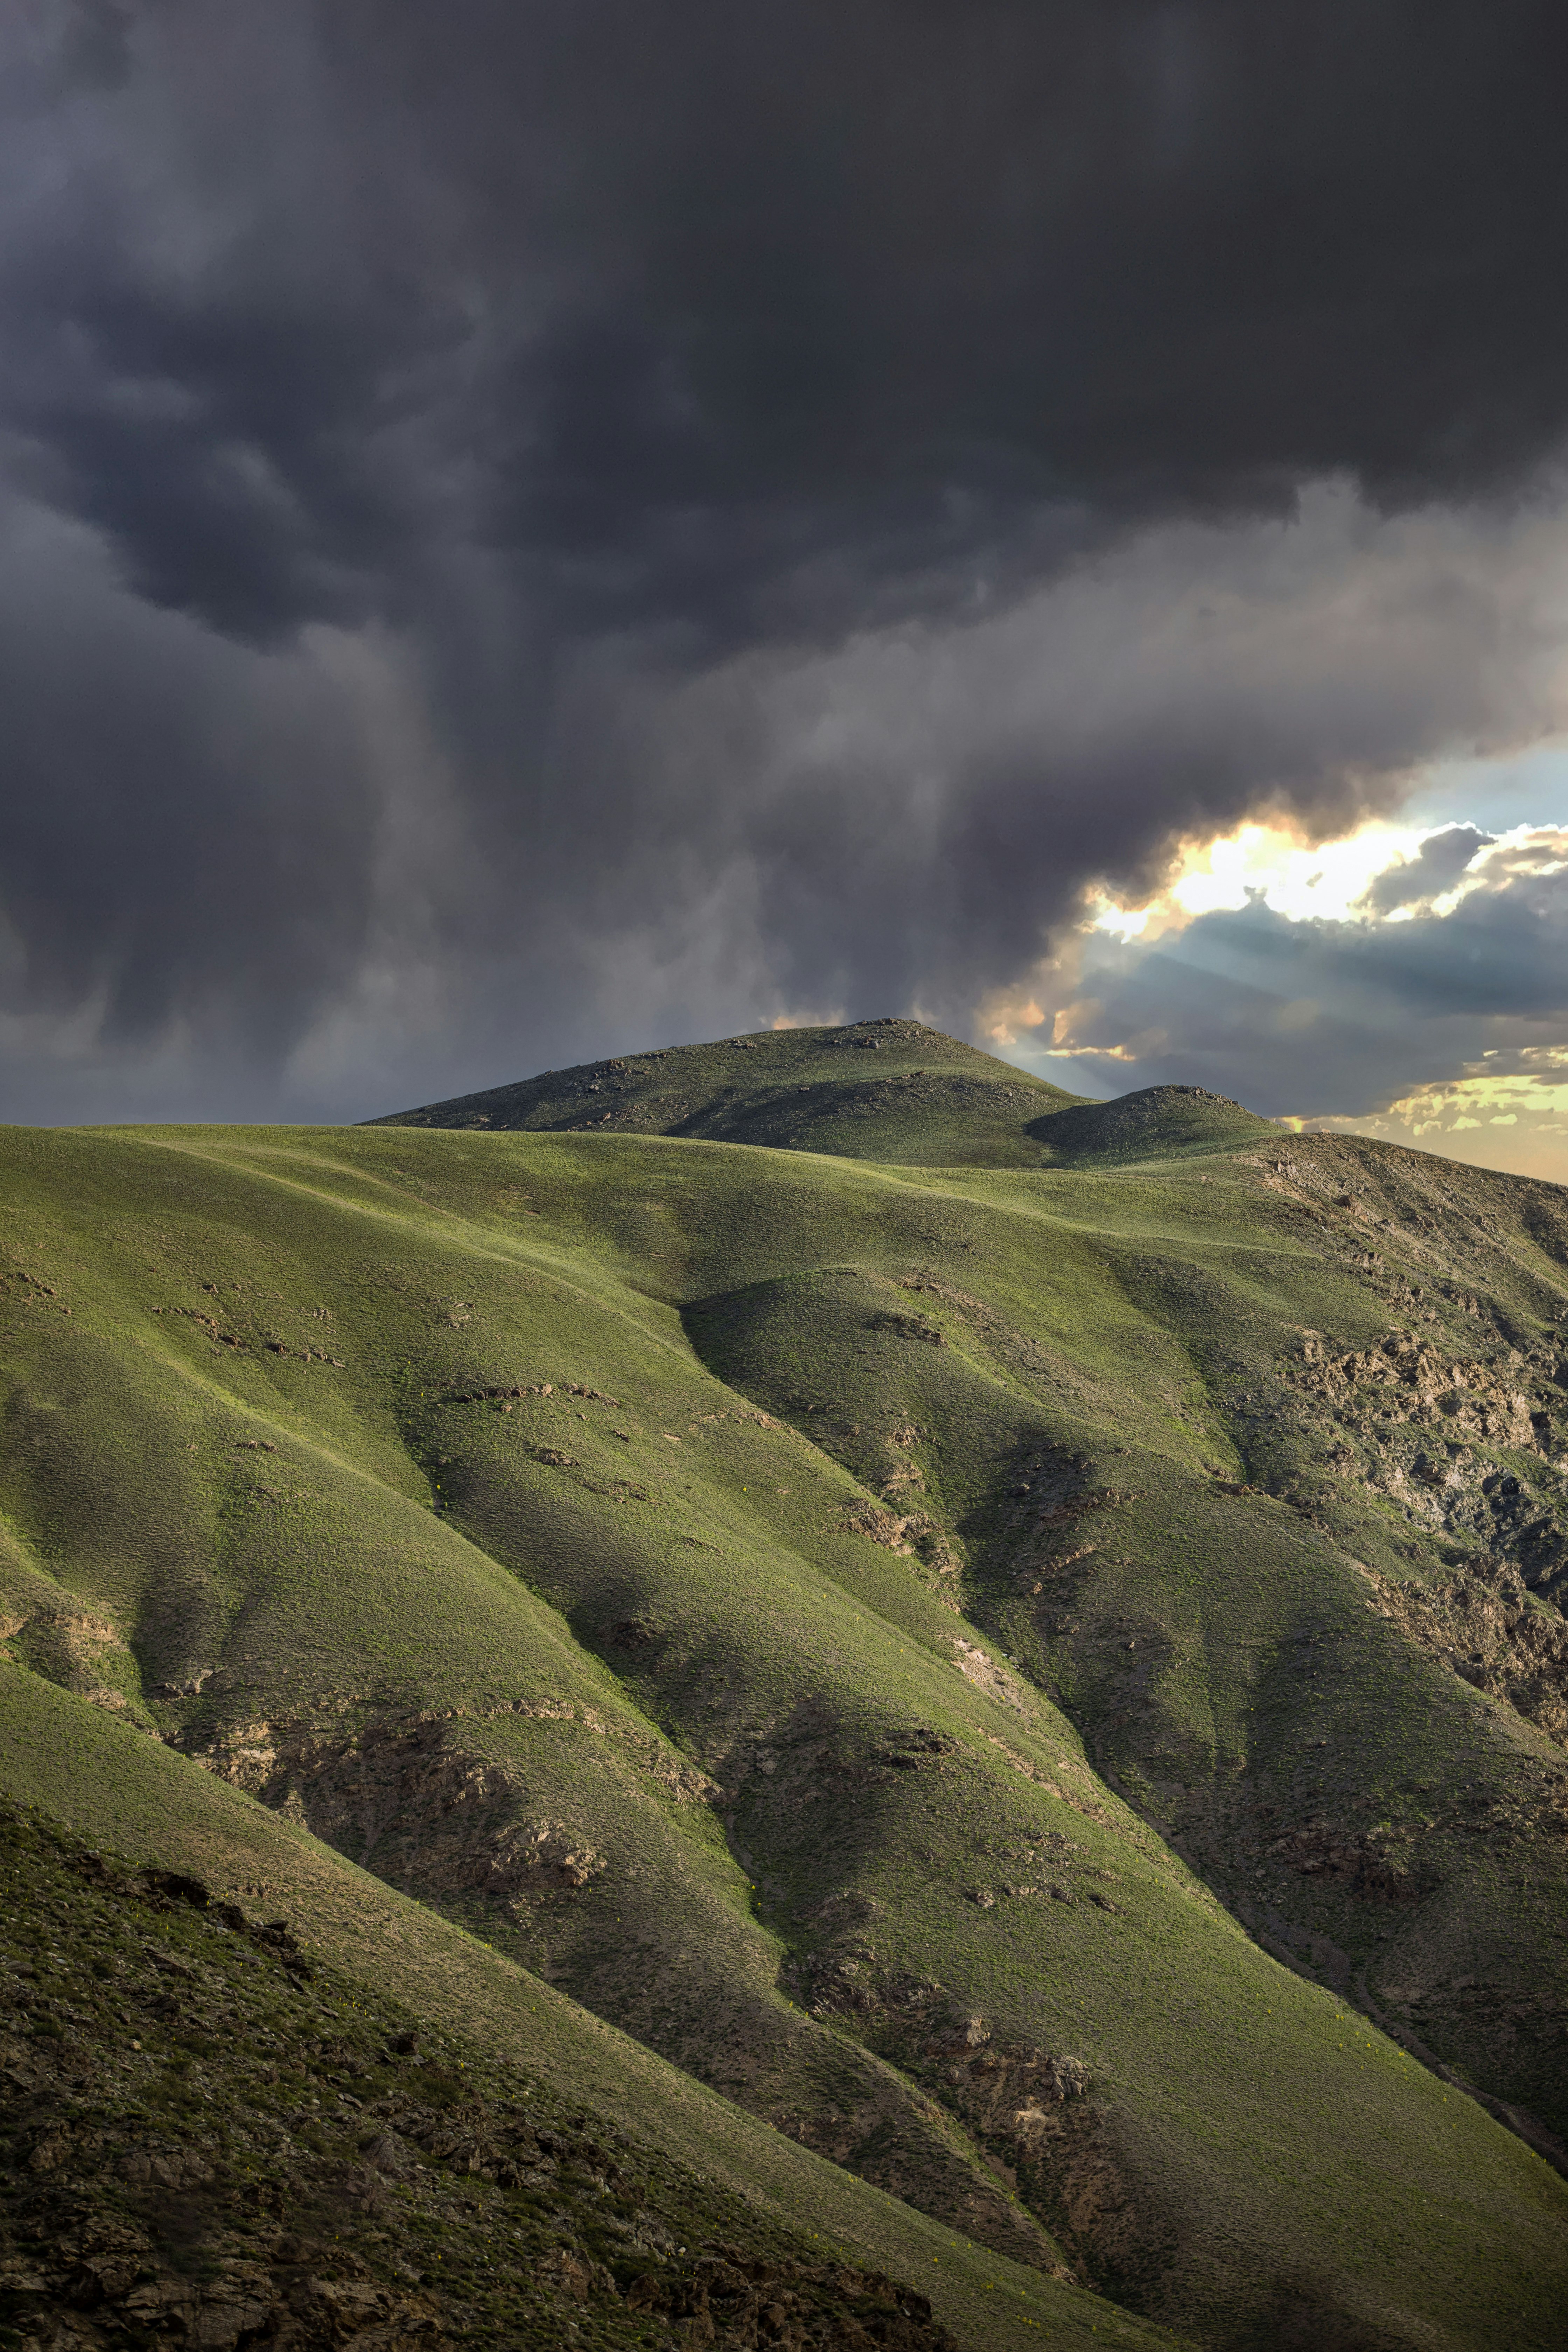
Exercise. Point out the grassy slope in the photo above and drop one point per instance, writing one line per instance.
(208, 2126)
(1172, 1122)
(717, 1588)
(117, 1789)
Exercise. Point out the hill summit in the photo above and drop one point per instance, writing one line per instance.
(926, 1099)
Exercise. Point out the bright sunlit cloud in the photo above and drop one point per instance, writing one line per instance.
(1321, 880)
(1407, 982)
(1472, 1103)
(1515, 1120)
(1345, 881)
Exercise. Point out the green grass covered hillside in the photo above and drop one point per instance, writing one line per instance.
(980, 1679)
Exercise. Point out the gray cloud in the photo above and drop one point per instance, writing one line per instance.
(531, 528)
(923, 804)
(1336, 1020)
(187, 821)
(1435, 867)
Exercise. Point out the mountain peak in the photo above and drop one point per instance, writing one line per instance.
(926, 1099)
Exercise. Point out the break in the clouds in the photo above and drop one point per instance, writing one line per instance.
(1408, 985)
(530, 529)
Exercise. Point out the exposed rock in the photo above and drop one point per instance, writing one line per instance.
(977, 1666)
(408, 1803)
(1431, 1430)
(1481, 1622)
(883, 1526)
(1360, 1863)
(908, 1327)
(1407, 1378)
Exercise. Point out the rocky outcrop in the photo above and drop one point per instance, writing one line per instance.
(1006, 2091)
(1481, 1622)
(1407, 1379)
(404, 1799)
(1034, 2108)
(1465, 1448)
(1362, 1865)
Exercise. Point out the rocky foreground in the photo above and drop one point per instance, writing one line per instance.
(215, 2142)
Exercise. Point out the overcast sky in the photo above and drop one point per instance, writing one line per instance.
(529, 532)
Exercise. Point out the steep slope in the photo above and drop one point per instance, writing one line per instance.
(269, 2113)
(299, 1607)
(360, 2119)
(924, 1099)
(579, 1531)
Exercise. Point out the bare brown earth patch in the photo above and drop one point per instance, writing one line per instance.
(1031, 2110)
(1481, 1622)
(404, 1801)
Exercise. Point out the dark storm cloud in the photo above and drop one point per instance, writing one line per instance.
(544, 431)
(695, 291)
(160, 787)
(919, 797)
(1435, 867)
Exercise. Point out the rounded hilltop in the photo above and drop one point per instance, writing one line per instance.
(1154, 1120)
(891, 1088)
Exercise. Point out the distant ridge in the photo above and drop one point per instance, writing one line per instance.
(889, 1089)
(927, 1099)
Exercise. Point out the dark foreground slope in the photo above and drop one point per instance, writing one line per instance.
(218, 2137)
(355, 2124)
(963, 1661)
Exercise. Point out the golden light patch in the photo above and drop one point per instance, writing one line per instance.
(1492, 1100)
(1305, 880)
(830, 1017)
(1515, 1118)
(1002, 1017)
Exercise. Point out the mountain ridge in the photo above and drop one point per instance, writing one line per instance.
(932, 1099)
